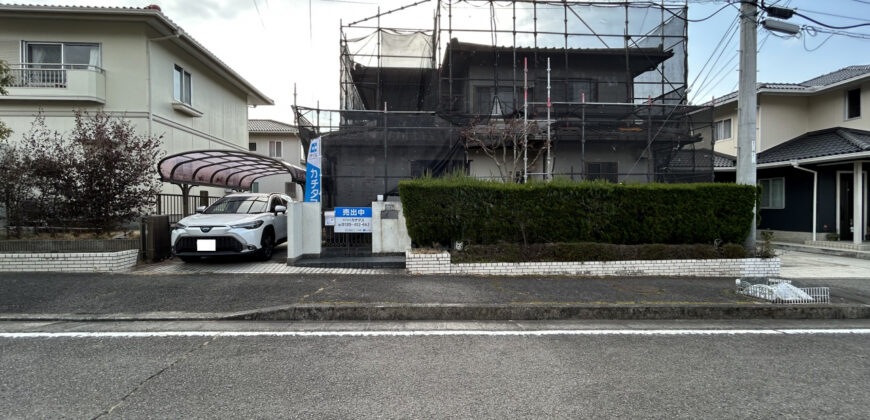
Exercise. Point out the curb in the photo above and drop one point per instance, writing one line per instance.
(496, 312)
(472, 312)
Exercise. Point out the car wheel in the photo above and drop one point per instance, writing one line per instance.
(189, 259)
(267, 245)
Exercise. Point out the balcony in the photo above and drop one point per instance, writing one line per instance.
(56, 82)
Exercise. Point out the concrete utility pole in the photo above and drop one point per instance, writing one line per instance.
(747, 106)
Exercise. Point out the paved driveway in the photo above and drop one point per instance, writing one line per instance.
(803, 265)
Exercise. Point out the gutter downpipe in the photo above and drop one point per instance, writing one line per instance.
(795, 165)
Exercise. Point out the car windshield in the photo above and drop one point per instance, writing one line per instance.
(238, 205)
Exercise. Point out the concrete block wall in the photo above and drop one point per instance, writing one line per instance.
(70, 262)
(439, 263)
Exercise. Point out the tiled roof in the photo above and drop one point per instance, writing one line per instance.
(721, 160)
(837, 76)
(810, 85)
(271, 127)
(829, 142)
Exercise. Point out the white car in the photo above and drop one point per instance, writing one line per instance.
(238, 224)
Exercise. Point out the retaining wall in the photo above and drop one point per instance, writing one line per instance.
(439, 263)
(70, 261)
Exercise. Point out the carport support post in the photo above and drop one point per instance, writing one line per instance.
(185, 192)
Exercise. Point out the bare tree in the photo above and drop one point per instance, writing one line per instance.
(503, 141)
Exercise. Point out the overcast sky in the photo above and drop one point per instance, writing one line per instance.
(276, 43)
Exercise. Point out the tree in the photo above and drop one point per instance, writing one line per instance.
(99, 176)
(503, 141)
(13, 184)
(114, 168)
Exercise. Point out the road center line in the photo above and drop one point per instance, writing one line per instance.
(425, 333)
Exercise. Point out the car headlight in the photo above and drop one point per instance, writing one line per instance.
(180, 226)
(249, 225)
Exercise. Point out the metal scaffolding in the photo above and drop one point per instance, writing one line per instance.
(599, 86)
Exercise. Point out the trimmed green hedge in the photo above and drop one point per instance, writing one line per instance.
(587, 251)
(443, 210)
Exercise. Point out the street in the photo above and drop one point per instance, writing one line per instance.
(686, 369)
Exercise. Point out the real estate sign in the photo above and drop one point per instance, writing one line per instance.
(312, 172)
(353, 219)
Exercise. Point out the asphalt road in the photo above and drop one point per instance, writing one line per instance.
(554, 370)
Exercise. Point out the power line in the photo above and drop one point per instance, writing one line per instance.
(831, 26)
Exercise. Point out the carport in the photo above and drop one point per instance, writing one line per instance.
(229, 169)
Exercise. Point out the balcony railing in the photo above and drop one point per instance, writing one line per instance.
(32, 75)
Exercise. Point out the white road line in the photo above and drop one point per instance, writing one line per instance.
(423, 333)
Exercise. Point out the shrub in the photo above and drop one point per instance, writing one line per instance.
(443, 210)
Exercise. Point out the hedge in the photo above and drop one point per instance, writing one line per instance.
(586, 251)
(443, 210)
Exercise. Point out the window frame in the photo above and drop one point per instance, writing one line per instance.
(276, 149)
(600, 174)
(846, 104)
(725, 122)
(187, 88)
(63, 64)
(252, 146)
(766, 192)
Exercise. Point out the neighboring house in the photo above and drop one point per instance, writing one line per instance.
(280, 141)
(813, 135)
(130, 62)
(418, 105)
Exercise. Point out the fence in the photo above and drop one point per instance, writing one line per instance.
(172, 205)
(768, 291)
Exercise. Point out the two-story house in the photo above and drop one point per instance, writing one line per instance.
(130, 62)
(511, 103)
(277, 140)
(813, 145)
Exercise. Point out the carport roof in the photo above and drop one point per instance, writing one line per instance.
(223, 168)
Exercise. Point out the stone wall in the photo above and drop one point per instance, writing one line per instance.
(69, 261)
(439, 263)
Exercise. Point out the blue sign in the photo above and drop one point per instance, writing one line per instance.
(353, 219)
(313, 184)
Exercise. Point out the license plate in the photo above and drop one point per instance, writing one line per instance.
(206, 245)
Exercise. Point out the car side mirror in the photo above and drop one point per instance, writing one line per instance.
(280, 209)
(200, 209)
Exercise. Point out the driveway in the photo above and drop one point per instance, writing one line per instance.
(803, 265)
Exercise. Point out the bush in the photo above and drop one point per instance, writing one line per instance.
(443, 210)
(587, 251)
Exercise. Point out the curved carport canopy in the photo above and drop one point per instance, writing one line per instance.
(223, 169)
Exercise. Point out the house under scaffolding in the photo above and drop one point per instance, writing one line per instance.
(580, 90)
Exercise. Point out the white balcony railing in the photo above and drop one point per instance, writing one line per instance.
(31, 75)
(56, 82)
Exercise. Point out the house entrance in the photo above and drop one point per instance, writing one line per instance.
(846, 205)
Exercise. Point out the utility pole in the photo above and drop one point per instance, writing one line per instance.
(747, 106)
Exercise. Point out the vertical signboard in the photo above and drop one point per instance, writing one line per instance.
(313, 183)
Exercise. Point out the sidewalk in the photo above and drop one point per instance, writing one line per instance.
(212, 296)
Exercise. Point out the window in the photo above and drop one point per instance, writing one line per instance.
(853, 103)
(722, 130)
(290, 189)
(255, 187)
(485, 102)
(772, 193)
(602, 170)
(252, 147)
(58, 55)
(181, 90)
(275, 148)
(571, 90)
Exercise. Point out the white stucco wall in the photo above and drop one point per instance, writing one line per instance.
(125, 51)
